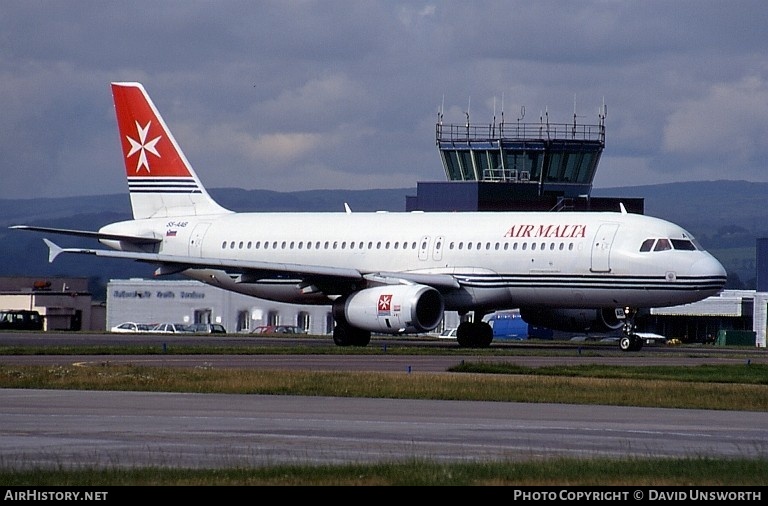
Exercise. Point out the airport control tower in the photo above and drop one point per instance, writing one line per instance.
(518, 166)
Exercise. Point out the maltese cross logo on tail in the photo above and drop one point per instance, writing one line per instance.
(385, 304)
(142, 145)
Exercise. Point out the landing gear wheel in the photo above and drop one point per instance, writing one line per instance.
(341, 336)
(463, 335)
(625, 343)
(484, 335)
(474, 335)
(344, 335)
(362, 337)
(631, 343)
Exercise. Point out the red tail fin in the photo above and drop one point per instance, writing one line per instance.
(161, 181)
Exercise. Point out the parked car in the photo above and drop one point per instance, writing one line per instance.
(651, 338)
(171, 328)
(278, 329)
(448, 334)
(132, 327)
(207, 328)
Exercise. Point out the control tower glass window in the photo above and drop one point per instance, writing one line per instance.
(553, 168)
(526, 164)
(481, 162)
(489, 166)
(572, 165)
(587, 168)
(467, 168)
(451, 164)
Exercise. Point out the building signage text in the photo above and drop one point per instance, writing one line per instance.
(160, 294)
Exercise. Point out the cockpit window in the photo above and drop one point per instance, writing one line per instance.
(693, 240)
(647, 245)
(668, 244)
(683, 244)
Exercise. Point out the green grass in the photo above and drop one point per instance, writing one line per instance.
(553, 472)
(731, 387)
(748, 373)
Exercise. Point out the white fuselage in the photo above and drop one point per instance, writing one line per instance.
(500, 260)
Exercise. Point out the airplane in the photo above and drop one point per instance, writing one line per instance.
(396, 272)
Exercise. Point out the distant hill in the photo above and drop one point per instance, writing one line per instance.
(726, 217)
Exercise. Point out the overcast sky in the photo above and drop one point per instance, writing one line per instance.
(293, 95)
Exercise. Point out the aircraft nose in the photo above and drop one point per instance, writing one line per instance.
(711, 272)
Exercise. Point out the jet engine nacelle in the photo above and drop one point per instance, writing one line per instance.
(392, 309)
(575, 320)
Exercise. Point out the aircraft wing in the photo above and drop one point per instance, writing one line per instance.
(253, 270)
(93, 235)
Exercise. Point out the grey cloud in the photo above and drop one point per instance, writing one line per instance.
(292, 95)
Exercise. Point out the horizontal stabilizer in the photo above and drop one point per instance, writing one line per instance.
(53, 250)
(93, 235)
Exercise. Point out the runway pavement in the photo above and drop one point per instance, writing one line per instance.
(63, 429)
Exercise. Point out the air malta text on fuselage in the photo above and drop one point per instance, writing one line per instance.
(557, 231)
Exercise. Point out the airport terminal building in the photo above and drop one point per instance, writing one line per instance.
(189, 301)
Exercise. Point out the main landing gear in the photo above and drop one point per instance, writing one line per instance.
(630, 341)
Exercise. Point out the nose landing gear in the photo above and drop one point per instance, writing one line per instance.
(630, 341)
